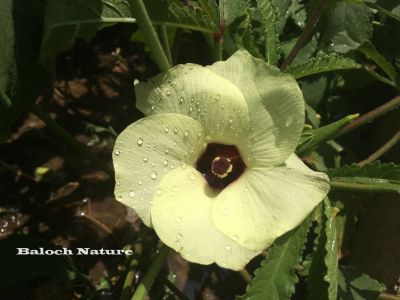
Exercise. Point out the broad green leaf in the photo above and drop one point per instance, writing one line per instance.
(372, 177)
(20, 75)
(270, 19)
(322, 63)
(68, 20)
(276, 278)
(390, 8)
(369, 50)
(322, 279)
(355, 285)
(347, 26)
(311, 138)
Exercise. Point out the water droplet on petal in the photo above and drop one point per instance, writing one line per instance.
(228, 248)
(192, 176)
(235, 237)
(178, 219)
(153, 175)
(165, 162)
(166, 151)
(131, 194)
(166, 130)
(168, 93)
(140, 142)
(145, 159)
(158, 192)
(181, 100)
(117, 152)
(186, 133)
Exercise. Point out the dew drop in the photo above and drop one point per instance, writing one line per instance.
(235, 237)
(175, 130)
(183, 165)
(140, 142)
(158, 192)
(165, 162)
(168, 93)
(131, 194)
(153, 175)
(178, 219)
(181, 100)
(166, 151)
(140, 182)
(145, 159)
(166, 130)
(116, 151)
(186, 133)
(228, 248)
(190, 68)
(192, 176)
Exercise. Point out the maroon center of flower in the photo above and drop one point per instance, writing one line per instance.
(220, 165)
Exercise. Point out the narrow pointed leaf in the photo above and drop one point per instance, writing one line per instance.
(276, 278)
(369, 50)
(322, 63)
(270, 19)
(322, 279)
(311, 138)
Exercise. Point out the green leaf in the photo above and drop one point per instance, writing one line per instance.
(369, 50)
(311, 138)
(67, 20)
(347, 26)
(322, 279)
(20, 76)
(270, 19)
(357, 286)
(374, 177)
(175, 13)
(242, 33)
(390, 8)
(232, 10)
(322, 63)
(276, 277)
(372, 170)
(282, 8)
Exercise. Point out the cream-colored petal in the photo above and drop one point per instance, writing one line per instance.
(275, 104)
(197, 92)
(149, 149)
(181, 216)
(263, 204)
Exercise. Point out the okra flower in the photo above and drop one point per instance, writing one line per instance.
(212, 167)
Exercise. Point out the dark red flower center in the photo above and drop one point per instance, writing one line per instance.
(220, 165)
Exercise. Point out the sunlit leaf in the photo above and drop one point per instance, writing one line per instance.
(276, 277)
(270, 19)
(322, 63)
(322, 279)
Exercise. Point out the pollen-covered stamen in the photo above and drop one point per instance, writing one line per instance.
(221, 166)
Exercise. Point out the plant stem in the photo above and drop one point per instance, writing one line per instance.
(386, 296)
(65, 137)
(178, 293)
(339, 183)
(150, 35)
(151, 274)
(246, 276)
(380, 77)
(306, 33)
(165, 42)
(372, 115)
(130, 275)
(378, 153)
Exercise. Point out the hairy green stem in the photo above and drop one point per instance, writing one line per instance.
(64, 137)
(306, 33)
(344, 184)
(372, 115)
(386, 296)
(382, 150)
(150, 35)
(379, 77)
(151, 274)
